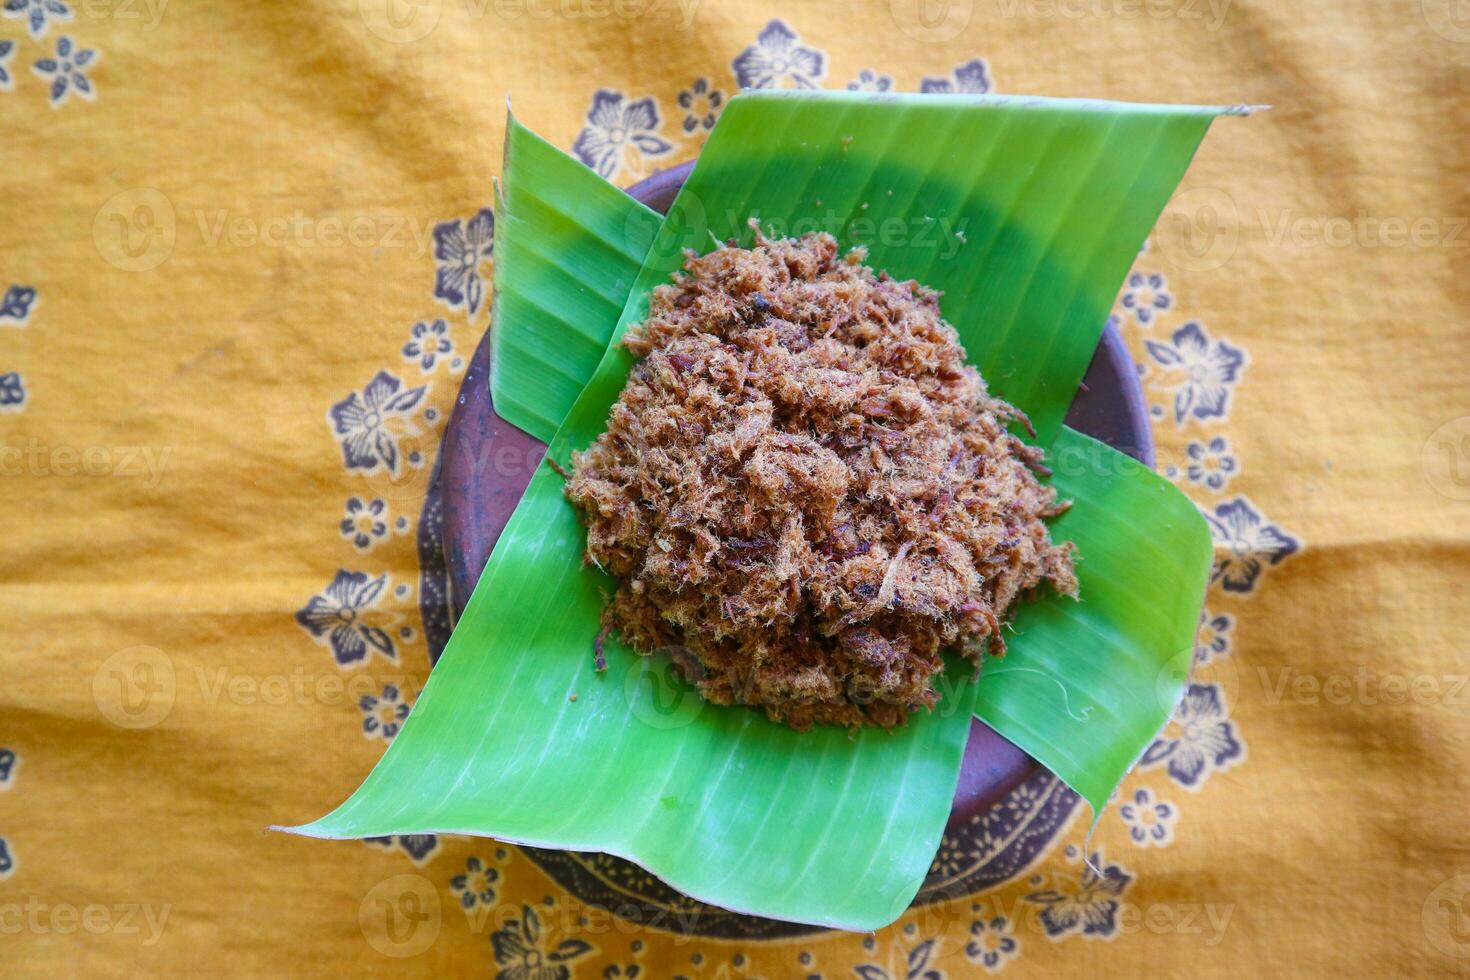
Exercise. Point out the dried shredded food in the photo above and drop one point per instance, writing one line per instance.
(806, 494)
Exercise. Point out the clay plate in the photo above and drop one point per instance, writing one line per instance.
(485, 464)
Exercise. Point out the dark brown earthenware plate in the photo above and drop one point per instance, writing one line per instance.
(483, 468)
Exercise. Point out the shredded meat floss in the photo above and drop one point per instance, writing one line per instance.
(806, 494)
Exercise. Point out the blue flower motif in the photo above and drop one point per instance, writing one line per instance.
(971, 78)
(523, 954)
(1245, 544)
(383, 714)
(1200, 372)
(39, 14)
(461, 249)
(365, 523)
(777, 59)
(1210, 463)
(7, 51)
(701, 105)
(64, 72)
(427, 342)
(1090, 903)
(1212, 641)
(615, 128)
(17, 302)
(915, 967)
(476, 885)
(12, 392)
(7, 860)
(336, 617)
(1198, 740)
(992, 942)
(1146, 295)
(870, 81)
(8, 763)
(1150, 821)
(417, 846)
(366, 422)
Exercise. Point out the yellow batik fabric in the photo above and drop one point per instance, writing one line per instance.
(245, 257)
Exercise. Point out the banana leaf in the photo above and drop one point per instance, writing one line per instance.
(1028, 213)
(567, 250)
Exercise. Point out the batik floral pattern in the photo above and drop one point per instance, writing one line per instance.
(339, 617)
(462, 249)
(1199, 740)
(383, 714)
(476, 886)
(914, 967)
(778, 59)
(1086, 904)
(1246, 544)
(1145, 296)
(18, 301)
(419, 847)
(619, 133)
(1150, 820)
(522, 953)
(429, 344)
(992, 943)
(364, 522)
(1199, 371)
(370, 423)
(12, 392)
(1210, 464)
(972, 78)
(65, 73)
(1212, 642)
(871, 81)
(701, 103)
(39, 15)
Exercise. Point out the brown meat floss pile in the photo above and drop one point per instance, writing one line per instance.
(805, 492)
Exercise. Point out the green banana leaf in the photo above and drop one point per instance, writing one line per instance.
(1085, 686)
(567, 250)
(822, 827)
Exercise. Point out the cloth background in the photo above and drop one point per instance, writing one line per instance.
(227, 228)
